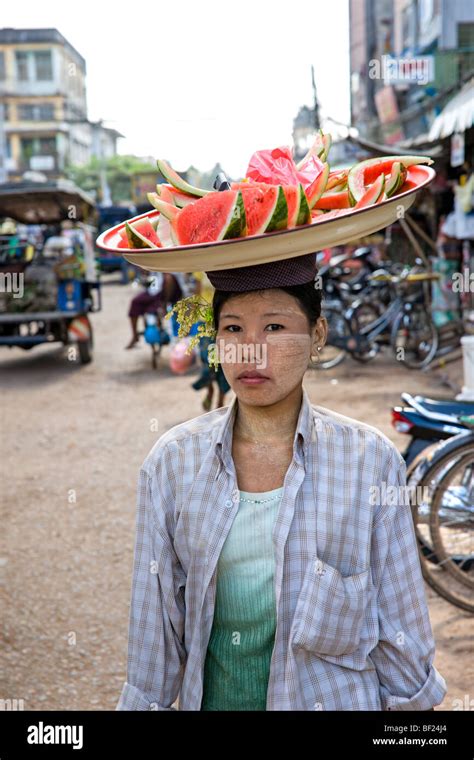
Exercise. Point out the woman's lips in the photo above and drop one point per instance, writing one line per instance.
(246, 380)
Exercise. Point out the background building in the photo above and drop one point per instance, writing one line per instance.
(430, 44)
(43, 98)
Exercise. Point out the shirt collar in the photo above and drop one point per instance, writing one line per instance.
(304, 432)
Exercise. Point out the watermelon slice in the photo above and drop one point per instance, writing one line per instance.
(164, 207)
(317, 188)
(327, 141)
(172, 195)
(259, 201)
(218, 216)
(165, 194)
(164, 231)
(334, 199)
(178, 182)
(304, 211)
(373, 194)
(298, 207)
(337, 180)
(364, 173)
(395, 179)
(266, 206)
(320, 149)
(142, 234)
(123, 239)
(292, 196)
(257, 207)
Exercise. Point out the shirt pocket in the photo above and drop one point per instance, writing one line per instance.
(330, 610)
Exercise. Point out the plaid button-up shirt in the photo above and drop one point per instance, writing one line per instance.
(353, 630)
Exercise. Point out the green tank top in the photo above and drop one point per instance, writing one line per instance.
(240, 647)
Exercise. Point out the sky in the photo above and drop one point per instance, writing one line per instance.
(197, 82)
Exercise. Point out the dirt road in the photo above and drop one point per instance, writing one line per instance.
(73, 439)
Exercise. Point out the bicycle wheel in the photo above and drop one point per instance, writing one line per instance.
(362, 317)
(414, 337)
(442, 516)
(452, 520)
(333, 353)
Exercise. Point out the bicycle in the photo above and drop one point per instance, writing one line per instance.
(444, 517)
(405, 324)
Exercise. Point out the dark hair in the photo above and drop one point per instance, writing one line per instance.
(308, 295)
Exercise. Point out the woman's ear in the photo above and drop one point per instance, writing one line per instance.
(320, 334)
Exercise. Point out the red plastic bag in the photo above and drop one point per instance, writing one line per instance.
(276, 167)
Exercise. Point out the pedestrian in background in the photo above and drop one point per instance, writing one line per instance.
(209, 377)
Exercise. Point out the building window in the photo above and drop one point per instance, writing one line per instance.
(22, 65)
(43, 66)
(466, 36)
(36, 112)
(466, 49)
(47, 146)
(46, 112)
(25, 112)
(2, 67)
(33, 147)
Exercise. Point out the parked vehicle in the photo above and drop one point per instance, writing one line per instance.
(441, 482)
(428, 421)
(108, 216)
(405, 323)
(59, 290)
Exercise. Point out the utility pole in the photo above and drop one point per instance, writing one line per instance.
(317, 124)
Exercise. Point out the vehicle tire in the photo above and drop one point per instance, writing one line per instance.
(85, 348)
(450, 575)
(85, 351)
(331, 356)
(363, 314)
(416, 330)
(460, 566)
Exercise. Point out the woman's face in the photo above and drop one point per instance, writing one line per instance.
(267, 332)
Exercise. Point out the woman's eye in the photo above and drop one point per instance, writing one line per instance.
(274, 326)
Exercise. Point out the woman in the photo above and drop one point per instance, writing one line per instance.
(163, 289)
(271, 570)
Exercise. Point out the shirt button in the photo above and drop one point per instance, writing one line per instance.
(319, 567)
(229, 503)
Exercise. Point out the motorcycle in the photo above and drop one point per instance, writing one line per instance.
(428, 421)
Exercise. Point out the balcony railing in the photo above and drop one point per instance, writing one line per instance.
(47, 164)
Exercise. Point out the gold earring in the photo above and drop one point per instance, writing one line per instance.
(318, 358)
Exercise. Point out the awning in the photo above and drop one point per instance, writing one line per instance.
(457, 115)
(405, 147)
(44, 202)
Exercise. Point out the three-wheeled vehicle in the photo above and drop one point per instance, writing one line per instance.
(109, 216)
(47, 294)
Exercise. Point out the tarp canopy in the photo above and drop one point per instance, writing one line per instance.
(404, 148)
(457, 115)
(44, 202)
